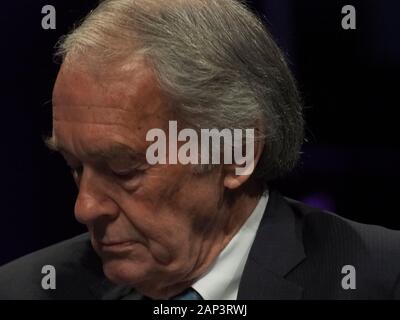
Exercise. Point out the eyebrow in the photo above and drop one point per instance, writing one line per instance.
(117, 150)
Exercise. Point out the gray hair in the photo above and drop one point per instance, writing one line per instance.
(214, 57)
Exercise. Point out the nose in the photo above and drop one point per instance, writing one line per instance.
(92, 201)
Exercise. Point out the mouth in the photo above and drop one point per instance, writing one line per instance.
(117, 246)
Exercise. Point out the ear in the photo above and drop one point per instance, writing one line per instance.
(235, 175)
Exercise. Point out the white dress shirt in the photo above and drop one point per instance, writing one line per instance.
(221, 281)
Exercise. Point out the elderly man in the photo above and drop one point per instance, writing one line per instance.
(190, 230)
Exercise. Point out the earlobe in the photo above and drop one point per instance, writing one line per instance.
(232, 179)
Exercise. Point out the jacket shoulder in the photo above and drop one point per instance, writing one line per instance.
(333, 242)
(71, 259)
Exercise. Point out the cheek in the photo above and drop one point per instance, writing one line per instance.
(171, 208)
(162, 224)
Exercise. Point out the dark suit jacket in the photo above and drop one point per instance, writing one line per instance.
(298, 253)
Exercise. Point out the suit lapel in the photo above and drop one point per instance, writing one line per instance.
(276, 250)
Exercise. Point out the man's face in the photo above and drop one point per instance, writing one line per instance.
(152, 226)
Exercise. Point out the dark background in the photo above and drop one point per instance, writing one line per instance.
(349, 80)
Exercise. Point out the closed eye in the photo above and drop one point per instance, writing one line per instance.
(126, 174)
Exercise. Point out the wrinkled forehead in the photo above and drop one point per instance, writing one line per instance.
(124, 95)
(130, 90)
(122, 103)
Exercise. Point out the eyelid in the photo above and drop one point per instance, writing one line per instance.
(124, 172)
(127, 175)
(126, 168)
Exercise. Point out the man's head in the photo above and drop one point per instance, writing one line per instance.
(136, 65)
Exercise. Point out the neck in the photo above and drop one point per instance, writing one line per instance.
(237, 208)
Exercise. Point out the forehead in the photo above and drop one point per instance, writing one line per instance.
(134, 90)
(91, 105)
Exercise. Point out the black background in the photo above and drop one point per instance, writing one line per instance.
(349, 80)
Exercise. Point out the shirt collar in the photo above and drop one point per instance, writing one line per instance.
(221, 281)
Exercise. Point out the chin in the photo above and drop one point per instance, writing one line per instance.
(144, 277)
(125, 272)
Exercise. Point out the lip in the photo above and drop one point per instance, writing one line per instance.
(116, 246)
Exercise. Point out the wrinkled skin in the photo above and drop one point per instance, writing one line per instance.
(156, 228)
